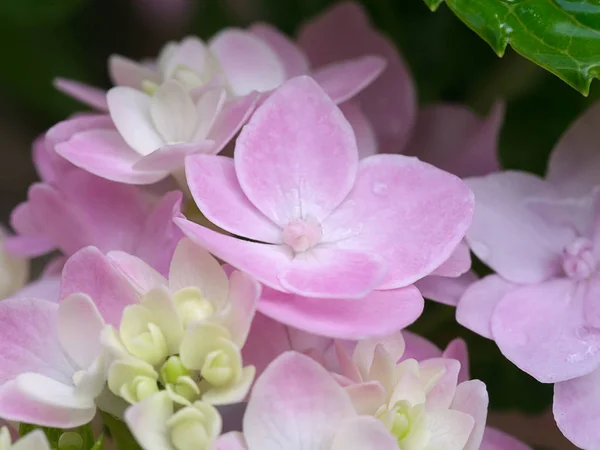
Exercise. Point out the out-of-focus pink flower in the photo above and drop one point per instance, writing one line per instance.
(541, 237)
(71, 209)
(328, 227)
(296, 405)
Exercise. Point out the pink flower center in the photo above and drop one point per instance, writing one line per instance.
(302, 235)
(579, 261)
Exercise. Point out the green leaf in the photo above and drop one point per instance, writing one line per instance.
(120, 433)
(563, 36)
(37, 12)
(99, 444)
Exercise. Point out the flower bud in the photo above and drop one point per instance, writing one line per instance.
(192, 305)
(195, 427)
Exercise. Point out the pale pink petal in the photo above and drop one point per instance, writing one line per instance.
(125, 72)
(507, 235)
(263, 261)
(457, 264)
(361, 433)
(450, 429)
(31, 246)
(577, 409)
(543, 329)
(213, 183)
(472, 398)
(379, 313)
(405, 211)
(344, 32)
(295, 404)
(343, 80)
(233, 115)
(267, 340)
(88, 271)
(172, 157)
(230, 441)
(457, 349)
(477, 304)
(455, 139)
(194, 266)
(30, 341)
(365, 135)
(64, 130)
(79, 327)
(191, 53)
(291, 57)
(242, 300)
(494, 439)
(147, 421)
(333, 273)
(443, 393)
(89, 95)
(34, 440)
(172, 112)
(106, 154)
(367, 397)
(143, 277)
(575, 161)
(130, 111)
(17, 406)
(160, 235)
(45, 288)
(297, 156)
(419, 348)
(445, 290)
(248, 63)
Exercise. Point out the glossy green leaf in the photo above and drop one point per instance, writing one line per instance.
(563, 36)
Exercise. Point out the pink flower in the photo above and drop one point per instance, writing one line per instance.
(328, 227)
(541, 238)
(71, 209)
(296, 405)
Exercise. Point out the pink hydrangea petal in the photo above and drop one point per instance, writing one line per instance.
(445, 290)
(457, 264)
(105, 154)
(333, 273)
(159, 236)
(230, 441)
(31, 246)
(344, 32)
(79, 327)
(88, 271)
(575, 162)
(457, 349)
(472, 398)
(31, 342)
(45, 288)
(17, 406)
(129, 110)
(295, 404)
(244, 293)
(576, 409)
(455, 139)
(507, 235)
(147, 421)
(297, 156)
(494, 439)
(443, 393)
(214, 185)
(233, 115)
(365, 135)
(379, 313)
(172, 157)
(477, 304)
(411, 214)
(543, 330)
(89, 95)
(293, 59)
(248, 63)
(143, 277)
(262, 261)
(125, 72)
(359, 433)
(419, 348)
(450, 428)
(343, 80)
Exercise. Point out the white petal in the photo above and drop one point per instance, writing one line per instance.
(173, 113)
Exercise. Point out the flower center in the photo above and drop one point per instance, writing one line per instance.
(302, 235)
(579, 261)
(192, 305)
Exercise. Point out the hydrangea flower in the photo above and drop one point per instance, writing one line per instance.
(328, 227)
(71, 209)
(185, 332)
(541, 238)
(296, 405)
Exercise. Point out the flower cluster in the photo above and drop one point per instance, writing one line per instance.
(258, 301)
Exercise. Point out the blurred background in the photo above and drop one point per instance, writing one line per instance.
(44, 39)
